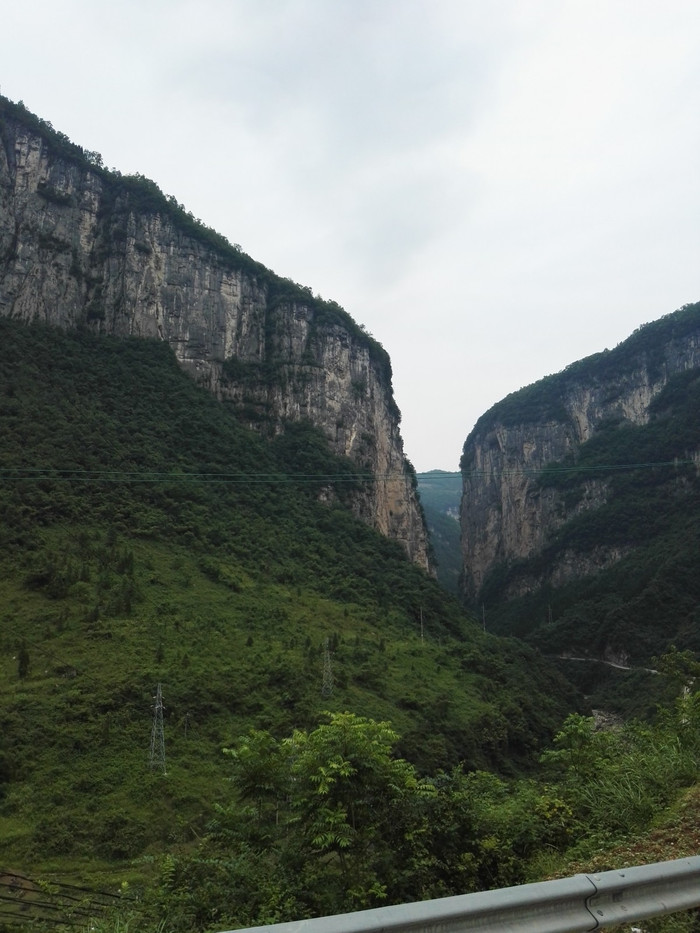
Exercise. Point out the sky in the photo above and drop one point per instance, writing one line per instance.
(493, 188)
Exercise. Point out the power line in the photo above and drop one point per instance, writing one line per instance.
(249, 479)
(583, 468)
(129, 476)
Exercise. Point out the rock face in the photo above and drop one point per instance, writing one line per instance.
(83, 247)
(506, 515)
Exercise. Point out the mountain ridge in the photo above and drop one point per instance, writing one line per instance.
(81, 246)
(573, 480)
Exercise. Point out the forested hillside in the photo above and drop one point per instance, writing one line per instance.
(598, 556)
(147, 538)
(84, 247)
(649, 599)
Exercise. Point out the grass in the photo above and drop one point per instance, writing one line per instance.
(122, 568)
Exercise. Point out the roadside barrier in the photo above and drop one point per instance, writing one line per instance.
(581, 903)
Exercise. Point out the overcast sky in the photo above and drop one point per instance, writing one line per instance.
(494, 189)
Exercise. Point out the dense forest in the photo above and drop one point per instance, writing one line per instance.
(649, 598)
(637, 605)
(147, 538)
(336, 733)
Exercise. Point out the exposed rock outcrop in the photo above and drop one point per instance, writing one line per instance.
(83, 247)
(506, 514)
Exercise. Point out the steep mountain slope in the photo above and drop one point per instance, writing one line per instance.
(148, 537)
(581, 501)
(84, 247)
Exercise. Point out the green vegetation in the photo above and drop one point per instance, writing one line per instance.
(648, 599)
(642, 533)
(328, 819)
(148, 538)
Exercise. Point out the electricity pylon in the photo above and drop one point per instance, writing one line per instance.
(157, 759)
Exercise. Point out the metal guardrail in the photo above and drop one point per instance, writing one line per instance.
(581, 903)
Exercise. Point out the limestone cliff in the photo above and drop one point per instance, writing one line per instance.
(84, 247)
(509, 516)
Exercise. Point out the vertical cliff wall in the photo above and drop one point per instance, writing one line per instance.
(83, 247)
(508, 515)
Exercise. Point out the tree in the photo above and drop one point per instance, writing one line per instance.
(681, 668)
(334, 805)
(574, 746)
(358, 809)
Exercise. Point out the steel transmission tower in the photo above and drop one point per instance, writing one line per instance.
(157, 759)
(327, 688)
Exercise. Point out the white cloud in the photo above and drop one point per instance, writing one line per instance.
(494, 190)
